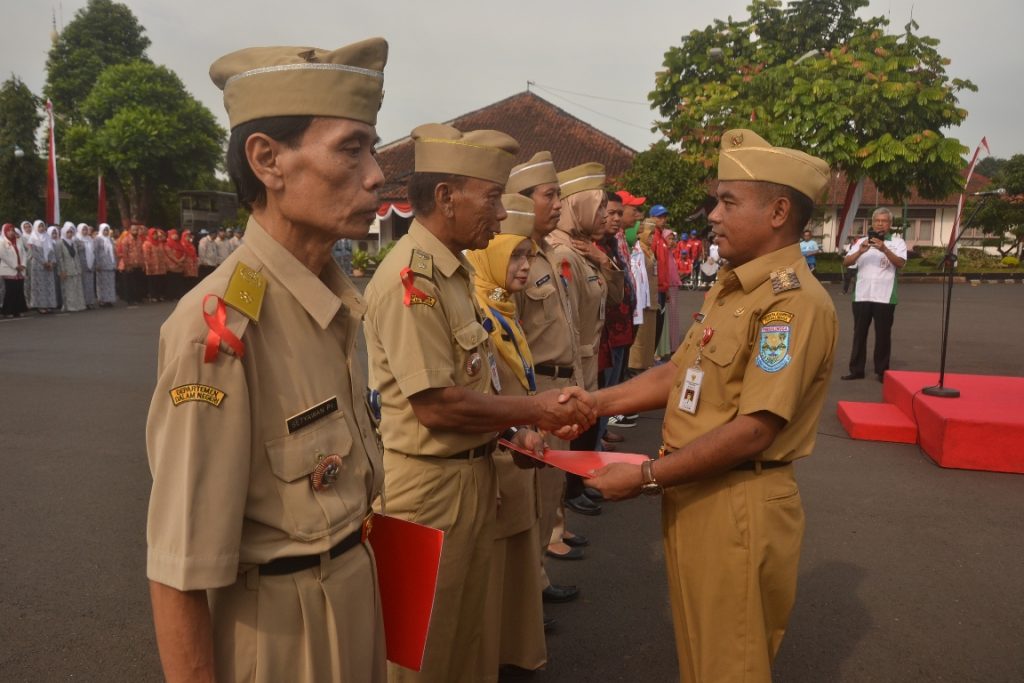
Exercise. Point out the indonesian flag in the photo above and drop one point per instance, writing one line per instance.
(851, 204)
(101, 201)
(52, 187)
(960, 203)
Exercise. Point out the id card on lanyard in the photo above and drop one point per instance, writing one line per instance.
(689, 396)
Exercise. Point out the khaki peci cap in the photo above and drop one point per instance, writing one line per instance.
(538, 170)
(588, 176)
(745, 155)
(261, 82)
(484, 154)
(520, 215)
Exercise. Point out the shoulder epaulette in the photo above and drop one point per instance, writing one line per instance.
(783, 280)
(245, 291)
(422, 263)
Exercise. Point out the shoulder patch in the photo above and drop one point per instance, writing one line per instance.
(245, 291)
(783, 280)
(776, 316)
(773, 347)
(422, 263)
(197, 392)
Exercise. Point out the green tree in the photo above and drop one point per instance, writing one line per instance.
(22, 177)
(102, 34)
(664, 177)
(817, 77)
(1003, 217)
(147, 135)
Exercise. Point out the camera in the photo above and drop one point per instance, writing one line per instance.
(875, 235)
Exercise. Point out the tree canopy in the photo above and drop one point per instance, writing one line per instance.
(1003, 217)
(664, 177)
(21, 179)
(815, 76)
(103, 33)
(146, 133)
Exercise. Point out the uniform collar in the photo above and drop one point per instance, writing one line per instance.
(322, 296)
(444, 260)
(753, 274)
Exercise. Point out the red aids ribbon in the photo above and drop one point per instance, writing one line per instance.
(219, 331)
(709, 332)
(566, 270)
(411, 290)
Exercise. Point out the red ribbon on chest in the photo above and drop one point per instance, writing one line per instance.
(411, 290)
(566, 270)
(219, 331)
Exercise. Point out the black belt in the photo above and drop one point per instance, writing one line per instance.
(765, 464)
(557, 371)
(478, 452)
(290, 565)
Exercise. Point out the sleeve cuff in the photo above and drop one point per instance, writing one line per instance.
(186, 574)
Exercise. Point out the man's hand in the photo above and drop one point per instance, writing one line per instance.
(529, 440)
(571, 406)
(590, 251)
(618, 481)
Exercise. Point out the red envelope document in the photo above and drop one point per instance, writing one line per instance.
(578, 462)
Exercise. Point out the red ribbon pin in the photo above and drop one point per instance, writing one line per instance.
(219, 331)
(411, 290)
(566, 270)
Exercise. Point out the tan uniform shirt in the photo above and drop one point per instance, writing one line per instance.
(774, 336)
(230, 476)
(435, 341)
(591, 289)
(546, 314)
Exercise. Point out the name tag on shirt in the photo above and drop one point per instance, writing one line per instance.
(308, 417)
(690, 394)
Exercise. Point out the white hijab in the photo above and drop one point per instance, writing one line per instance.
(40, 238)
(87, 243)
(105, 243)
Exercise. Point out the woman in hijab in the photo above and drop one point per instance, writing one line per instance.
(70, 271)
(24, 235)
(87, 262)
(12, 273)
(514, 624)
(175, 255)
(672, 333)
(105, 265)
(42, 292)
(190, 266)
(154, 263)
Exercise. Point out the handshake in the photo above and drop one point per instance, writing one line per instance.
(567, 412)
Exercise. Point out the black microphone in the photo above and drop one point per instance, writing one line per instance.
(989, 193)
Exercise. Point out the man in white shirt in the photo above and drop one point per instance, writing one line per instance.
(877, 258)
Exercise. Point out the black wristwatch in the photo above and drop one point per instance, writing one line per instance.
(649, 485)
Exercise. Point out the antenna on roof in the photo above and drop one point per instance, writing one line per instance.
(528, 84)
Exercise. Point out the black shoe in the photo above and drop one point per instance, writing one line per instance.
(880, 377)
(577, 541)
(554, 593)
(511, 672)
(853, 375)
(593, 494)
(583, 505)
(622, 421)
(573, 554)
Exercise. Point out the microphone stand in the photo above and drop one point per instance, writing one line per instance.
(949, 263)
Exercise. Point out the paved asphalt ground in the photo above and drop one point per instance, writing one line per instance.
(909, 572)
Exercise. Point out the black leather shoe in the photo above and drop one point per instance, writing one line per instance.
(555, 593)
(852, 375)
(573, 554)
(583, 505)
(577, 541)
(593, 494)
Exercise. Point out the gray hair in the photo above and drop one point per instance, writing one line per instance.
(879, 211)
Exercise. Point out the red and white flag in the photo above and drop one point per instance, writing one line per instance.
(960, 203)
(52, 186)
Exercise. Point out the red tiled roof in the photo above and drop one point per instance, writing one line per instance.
(536, 123)
(872, 197)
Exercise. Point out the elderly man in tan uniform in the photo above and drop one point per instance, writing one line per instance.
(431, 360)
(546, 315)
(595, 282)
(742, 398)
(263, 455)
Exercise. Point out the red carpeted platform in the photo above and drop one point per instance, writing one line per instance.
(981, 430)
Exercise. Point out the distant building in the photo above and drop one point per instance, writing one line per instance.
(204, 210)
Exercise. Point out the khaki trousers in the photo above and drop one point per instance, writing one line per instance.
(318, 624)
(551, 486)
(459, 497)
(641, 353)
(732, 548)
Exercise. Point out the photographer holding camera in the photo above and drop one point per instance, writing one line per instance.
(877, 258)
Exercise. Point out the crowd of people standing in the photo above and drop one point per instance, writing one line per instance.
(79, 267)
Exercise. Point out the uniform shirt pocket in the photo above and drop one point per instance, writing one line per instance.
(720, 368)
(471, 361)
(306, 514)
(547, 296)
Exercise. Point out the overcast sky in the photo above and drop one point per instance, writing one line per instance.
(451, 57)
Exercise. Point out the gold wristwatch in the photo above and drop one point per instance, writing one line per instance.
(649, 485)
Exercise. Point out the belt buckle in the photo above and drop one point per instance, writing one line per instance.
(367, 527)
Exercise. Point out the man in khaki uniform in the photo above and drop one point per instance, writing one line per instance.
(263, 456)
(742, 398)
(595, 283)
(431, 360)
(546, 315)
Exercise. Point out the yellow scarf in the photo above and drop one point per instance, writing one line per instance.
(491, 266)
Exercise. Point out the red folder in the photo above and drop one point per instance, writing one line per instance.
(407, 557)
(578, 462)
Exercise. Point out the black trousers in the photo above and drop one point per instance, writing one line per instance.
(864, 312)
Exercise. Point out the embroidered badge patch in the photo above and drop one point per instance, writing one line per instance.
(197, 392)
(773, 350)
(776, 316)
